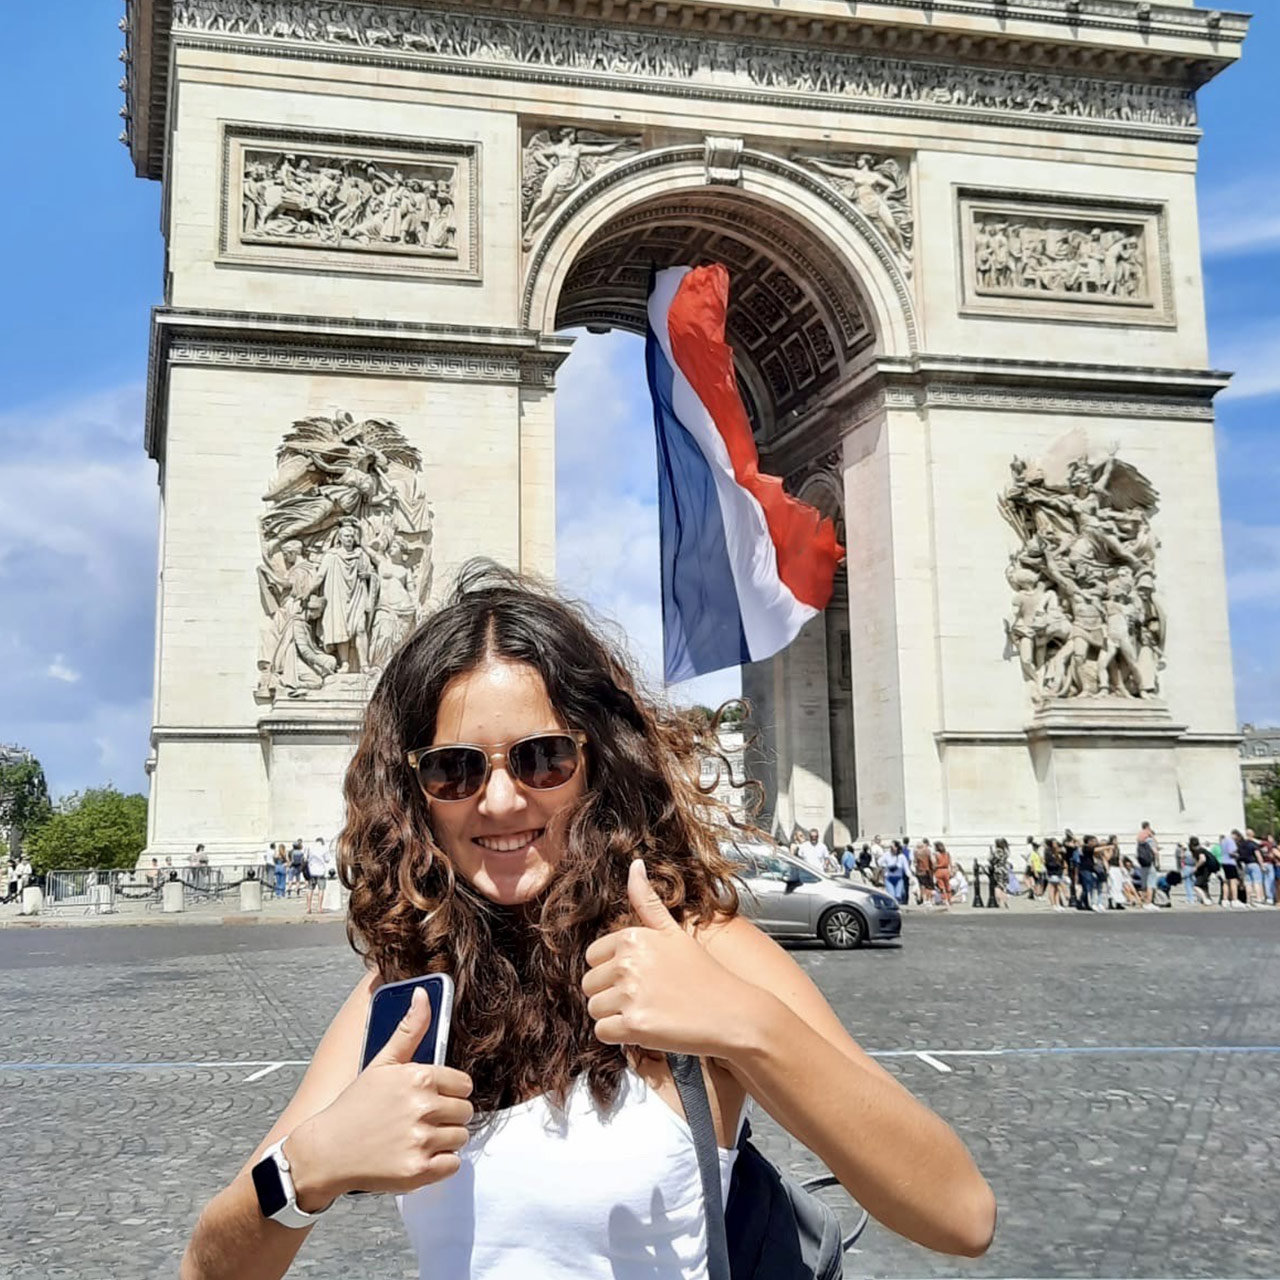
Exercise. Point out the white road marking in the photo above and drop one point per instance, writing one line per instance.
(265, 1071)
(933, 1062)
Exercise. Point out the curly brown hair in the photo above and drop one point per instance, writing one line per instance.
(520, 1024)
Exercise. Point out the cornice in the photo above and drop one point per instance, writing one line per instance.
(1108, 39)
(318, 344)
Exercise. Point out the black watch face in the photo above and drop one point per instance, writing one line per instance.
(266, 1181)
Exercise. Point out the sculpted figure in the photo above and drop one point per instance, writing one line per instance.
(288, 658)
(557, 164)
(878, 189)
(347, 589)
(1085, 618)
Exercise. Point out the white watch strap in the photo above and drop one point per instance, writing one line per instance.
(290, 1215)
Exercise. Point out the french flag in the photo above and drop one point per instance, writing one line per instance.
(744, 565)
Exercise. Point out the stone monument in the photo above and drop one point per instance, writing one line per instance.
(968, 318)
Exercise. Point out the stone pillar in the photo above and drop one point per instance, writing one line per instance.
(332, 900)
(250, 895)
(537, 477)
(32, 901)
(171, 896)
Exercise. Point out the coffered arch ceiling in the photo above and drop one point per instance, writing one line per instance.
(796, 322)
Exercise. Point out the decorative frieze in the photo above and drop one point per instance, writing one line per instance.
(877, 187)
(728, 67)
(350, 202)
(1085, 621)
(1064, 256)
(557, 162)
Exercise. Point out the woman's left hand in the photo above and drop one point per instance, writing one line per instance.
(654, 985)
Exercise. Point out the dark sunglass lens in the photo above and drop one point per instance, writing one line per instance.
(452, 773)
(544, 762)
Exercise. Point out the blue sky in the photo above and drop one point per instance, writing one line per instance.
(78, 494)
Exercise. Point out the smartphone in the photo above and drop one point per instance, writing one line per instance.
(390, 1003)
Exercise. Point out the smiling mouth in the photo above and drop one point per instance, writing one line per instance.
(517, 842)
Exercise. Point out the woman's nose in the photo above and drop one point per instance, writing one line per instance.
(501, 794)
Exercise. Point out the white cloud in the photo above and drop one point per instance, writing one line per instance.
(1241, 218)
(59, 670)
(77, 565)
(1253, 355)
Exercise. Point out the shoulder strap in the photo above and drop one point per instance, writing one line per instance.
(687, 1073)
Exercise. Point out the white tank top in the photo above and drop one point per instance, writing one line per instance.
(578, 1195)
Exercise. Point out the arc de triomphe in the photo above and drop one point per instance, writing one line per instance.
(968, 314)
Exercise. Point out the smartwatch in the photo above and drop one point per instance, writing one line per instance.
(274, 1184)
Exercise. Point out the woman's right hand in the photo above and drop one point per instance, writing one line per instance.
(398, 1126)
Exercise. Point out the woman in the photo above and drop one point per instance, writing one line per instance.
(519, 816)
(281, 868)
(942, 871)
(1115, 874)
(1206, 866)
(1054, 865)
(999, 869)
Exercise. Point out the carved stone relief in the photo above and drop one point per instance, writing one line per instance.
(343, 202)
(738, 66)
(557, 162)
(346, 554)
(1079, 260)
(348, 203)
(877, 187)
(1085, 621)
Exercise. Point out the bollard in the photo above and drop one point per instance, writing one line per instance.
(992, 900)
(32, 901)
(332, 900)
(250, 895)
(977, 884)
(171, 896)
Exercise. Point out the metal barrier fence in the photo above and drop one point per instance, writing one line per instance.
(88, 892)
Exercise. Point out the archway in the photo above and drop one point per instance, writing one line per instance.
(803, 326)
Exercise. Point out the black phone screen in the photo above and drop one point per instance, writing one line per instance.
(388, 1006)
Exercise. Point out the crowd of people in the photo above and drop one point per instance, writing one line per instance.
(20, 873)
(1086, 873)
(292, 871)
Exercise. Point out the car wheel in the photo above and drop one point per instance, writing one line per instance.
(843, 929)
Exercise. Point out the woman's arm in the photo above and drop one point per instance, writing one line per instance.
(735, 996)
(393, 1127)
(902, 1162)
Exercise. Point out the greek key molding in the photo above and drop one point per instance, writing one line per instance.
(439, 365)
(693, 65)
(956, 396)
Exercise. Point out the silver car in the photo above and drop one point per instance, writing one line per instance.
(788, 899)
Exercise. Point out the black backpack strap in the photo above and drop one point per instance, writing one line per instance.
(686, 1070)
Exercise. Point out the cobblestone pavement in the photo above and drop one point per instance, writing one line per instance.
(1121, 1136)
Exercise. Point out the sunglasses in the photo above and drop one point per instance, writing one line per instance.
(540, 762)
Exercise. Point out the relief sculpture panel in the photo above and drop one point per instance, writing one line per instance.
(1076, 260)
(380, 206)
(1086, 621)
(346, 555)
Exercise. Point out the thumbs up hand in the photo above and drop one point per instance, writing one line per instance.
(654, 985)
(397, 1126)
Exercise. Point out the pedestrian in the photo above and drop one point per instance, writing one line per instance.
(1270, 859)
(1000, 871)
(866, 865)
(887, 864)
(924, 863)
(1071, 853)
(552, 1144)
(1231, 879)
(1086, 875)
(1205, 867)
(813, 852)
(1187, 866)
(1055, 873)
(942, 872)
(897, 871)
(1035, 869)
(317, 872)
(280, 868)
(848, 862)
(1116, 898)
(297, 867)
(959, 885)
(1148, 855)
(1131, 883)
(1250, 865)
(11, 893)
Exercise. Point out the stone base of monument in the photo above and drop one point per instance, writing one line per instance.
(332, 896)
(171, 896)
(32, 901)
(250, 895)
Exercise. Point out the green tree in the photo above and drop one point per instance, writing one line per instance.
(24, 797)
(100, 828)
